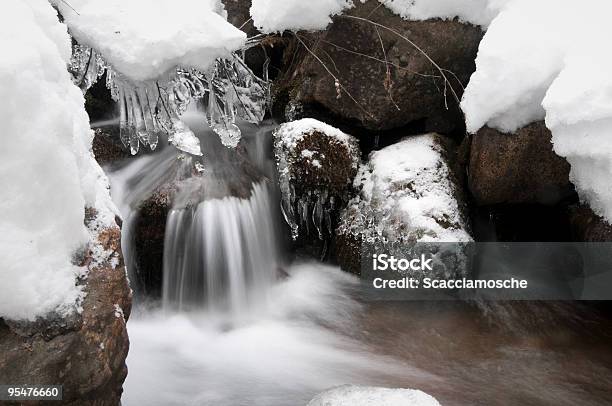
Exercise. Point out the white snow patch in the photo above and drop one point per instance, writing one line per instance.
(477, 12)
(145, 39)
(352, 395)
(406, 192)
(290, 134)
(271, 16)
(47, 171)
(548, 60)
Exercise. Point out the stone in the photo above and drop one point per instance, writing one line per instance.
(589, 227)
(349, 80)
(86, 352)
(517, 168)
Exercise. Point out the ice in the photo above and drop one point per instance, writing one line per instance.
(353, 395)
(315, 206)
(229, 91)
(270, 16)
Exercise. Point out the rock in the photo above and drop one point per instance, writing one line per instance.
(371, 93)
(238, 14)
(107, 147)
(85, 353)
(517, 168)
(589, 227)
(408, 194)
(181, 186)
(316, 164)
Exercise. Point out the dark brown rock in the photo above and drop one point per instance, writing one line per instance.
(517, 168)
(107, 147)
(85, 353)
(588, 226)
(239, 15)
(379, 95)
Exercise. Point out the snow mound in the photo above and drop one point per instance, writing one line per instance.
(351, 395)
(145, 39)
(555, 67)
(271, 16)
(406, 194)
(477, 12)
(47, 171)
(290, 134)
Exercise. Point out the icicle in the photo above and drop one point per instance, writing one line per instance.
(149, 108)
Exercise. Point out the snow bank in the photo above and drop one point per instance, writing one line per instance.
(477, 12)
(549, 60)
(271, 16)
(145, 39)
(47, 172)
(351, 395)
(406, 193)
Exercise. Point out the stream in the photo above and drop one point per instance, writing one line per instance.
(239, 323)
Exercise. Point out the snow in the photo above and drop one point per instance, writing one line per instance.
(145, 39)
(561, 75)
(270, 16)
(477, 12)
(352, 395)
(406, 193)
(291, 133)
(47, 171)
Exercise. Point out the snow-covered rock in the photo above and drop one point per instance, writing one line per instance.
(316, 165)
(271, 16)
(477, 12)
(555, 67)
(408, 194)
(352, 395)
(146, 39)
(47, 170)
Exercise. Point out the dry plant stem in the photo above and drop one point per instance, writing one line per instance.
(337, 81)
(446, 81)
(388, 82)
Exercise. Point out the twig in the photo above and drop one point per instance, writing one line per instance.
(337, 81)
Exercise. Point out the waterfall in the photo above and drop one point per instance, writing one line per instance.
(220, 254)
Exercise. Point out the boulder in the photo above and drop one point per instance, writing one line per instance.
(589, 227)
(372, 77)
(85, 352)
(107, 146)
(517, 168)
(408, 194)
(238, 14)
(316, 165)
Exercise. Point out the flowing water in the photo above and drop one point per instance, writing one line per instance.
(237, 325)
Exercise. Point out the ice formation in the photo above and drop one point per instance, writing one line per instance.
(271, 16)
(313, 204)
(555, 67)
(48, 173)
(353, 395)
(406, 194)
(155, 73)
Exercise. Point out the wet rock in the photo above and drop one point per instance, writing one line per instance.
(589, 227)
(107, 147)
(182, 186)
(316, 165)
(383, 81)
(85, 352)
(517, 168)
(408, 194)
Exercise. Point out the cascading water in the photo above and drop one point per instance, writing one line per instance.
(220, 253)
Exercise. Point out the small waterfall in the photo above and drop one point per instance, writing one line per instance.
(220, 254)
